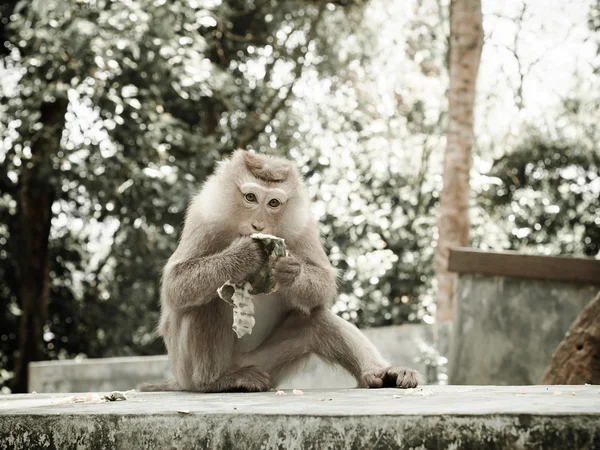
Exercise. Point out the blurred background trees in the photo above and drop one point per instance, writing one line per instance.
(112, 114)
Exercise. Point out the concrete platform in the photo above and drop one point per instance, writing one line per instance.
(432, 417)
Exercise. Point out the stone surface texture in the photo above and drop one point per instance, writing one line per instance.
(506, 329)
(399, 344)
(431, 417)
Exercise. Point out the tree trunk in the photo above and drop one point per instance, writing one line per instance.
(466, 41)
(36, 195)
(577, 358)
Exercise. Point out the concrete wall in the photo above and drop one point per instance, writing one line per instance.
(437, 417)
(505, 329)
(102, 374)
(397, 343)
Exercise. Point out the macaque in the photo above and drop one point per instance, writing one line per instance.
(251, 193)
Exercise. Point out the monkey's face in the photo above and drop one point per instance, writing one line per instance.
(252, 193)
(260, 208)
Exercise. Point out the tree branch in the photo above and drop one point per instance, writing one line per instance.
(251, 131)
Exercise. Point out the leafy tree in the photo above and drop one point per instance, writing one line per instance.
(367, 130)
(120, 111)
(544, 195)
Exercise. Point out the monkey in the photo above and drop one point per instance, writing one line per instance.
(254, 193)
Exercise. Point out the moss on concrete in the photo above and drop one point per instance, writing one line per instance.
(451, 417)
(281, 432)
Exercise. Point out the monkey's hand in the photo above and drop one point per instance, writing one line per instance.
(286, 270)
(304, 286)
(248, 257)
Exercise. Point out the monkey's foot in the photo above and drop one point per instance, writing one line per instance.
(245, 379)
(390, 377)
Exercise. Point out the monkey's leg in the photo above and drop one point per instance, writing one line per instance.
(200, 343)
(350, 348)
(244, 379)
(336, 341)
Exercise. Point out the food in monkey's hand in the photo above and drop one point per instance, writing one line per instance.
(274, 247)
(241, 294)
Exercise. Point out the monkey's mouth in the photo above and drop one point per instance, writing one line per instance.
(249, 231)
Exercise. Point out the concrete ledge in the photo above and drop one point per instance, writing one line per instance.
(434, 417)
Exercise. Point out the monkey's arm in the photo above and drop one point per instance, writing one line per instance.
(313, 286)
(194, 281)
(306, 278)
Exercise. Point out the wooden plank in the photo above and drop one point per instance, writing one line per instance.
(519, 265)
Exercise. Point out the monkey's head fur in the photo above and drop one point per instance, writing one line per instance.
(253, 193)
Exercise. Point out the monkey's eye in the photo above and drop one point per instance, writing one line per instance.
(250, 197)
(274, 203)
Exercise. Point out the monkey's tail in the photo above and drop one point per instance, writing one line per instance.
(160, 386)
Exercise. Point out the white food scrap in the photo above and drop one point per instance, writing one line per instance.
(280, 393)
(243, 307)
(90, 397)
(297, 392)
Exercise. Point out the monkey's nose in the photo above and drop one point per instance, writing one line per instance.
(258, 226)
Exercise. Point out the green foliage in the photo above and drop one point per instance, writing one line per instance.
(546, 195)
(158, 91)
(370, 149)
(543, 195)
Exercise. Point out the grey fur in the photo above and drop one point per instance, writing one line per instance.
(215, 247)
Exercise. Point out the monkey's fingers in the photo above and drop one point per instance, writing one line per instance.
(390, 377)
(284, 278)
(288, 264)
(283, 274)
(287, 269)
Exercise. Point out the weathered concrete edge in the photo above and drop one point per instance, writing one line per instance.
(242, 431)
